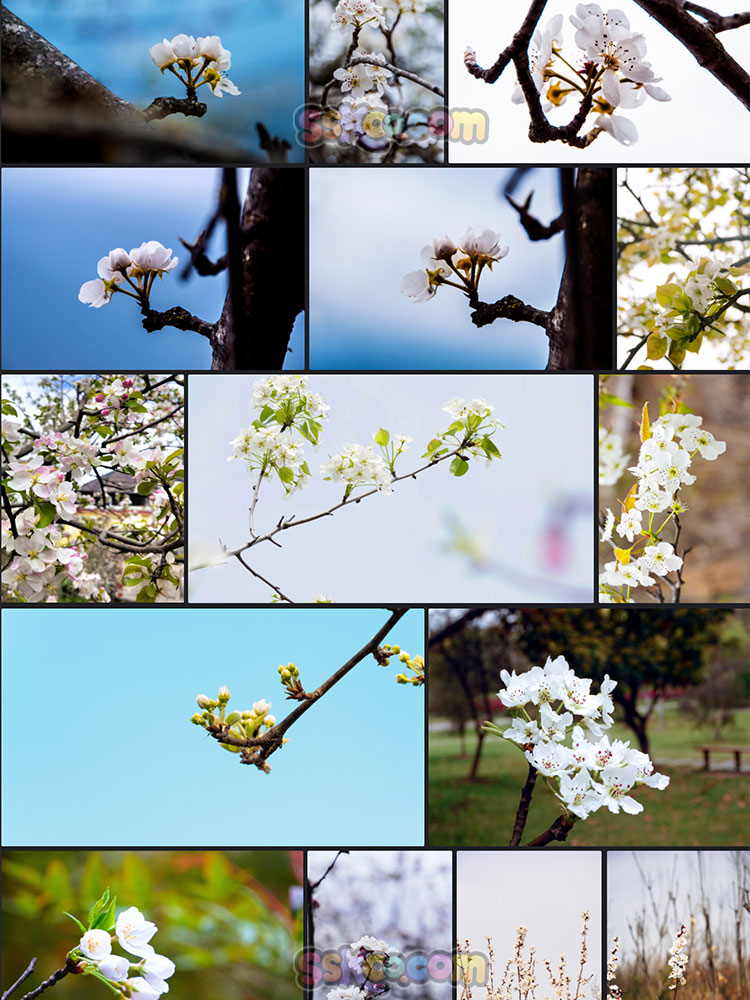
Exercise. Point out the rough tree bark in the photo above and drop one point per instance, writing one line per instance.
(269, 285)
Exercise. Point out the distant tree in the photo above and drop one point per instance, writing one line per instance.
(725, 687)
(647, 653)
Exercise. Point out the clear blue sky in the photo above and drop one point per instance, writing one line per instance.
(65, 220)
(98, 747)
(112, 42)
(367, 229)
(394, 548)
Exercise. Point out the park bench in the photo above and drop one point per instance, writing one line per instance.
(710, 748)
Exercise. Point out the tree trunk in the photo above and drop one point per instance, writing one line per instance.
(581, 325)
(636, 721)
(266, 282)
(477, 754)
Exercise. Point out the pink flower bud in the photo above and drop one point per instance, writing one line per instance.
(105, 411)
(99, 397)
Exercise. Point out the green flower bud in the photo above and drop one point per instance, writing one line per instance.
(404, 657)
(232, 718)
(197, 719)
(203, 701)
(396, 649)
(224, 695)
(402, 679)
(286, 676)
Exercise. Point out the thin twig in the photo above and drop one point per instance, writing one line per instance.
(24, 975)
(523, 807)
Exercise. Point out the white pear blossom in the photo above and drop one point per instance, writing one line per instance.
(114, 967)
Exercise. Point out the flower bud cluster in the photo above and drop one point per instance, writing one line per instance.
(416, 664)
(249, 724)
(560, 725)
(196, 62)
(668, 447)
(137, 269)
(457, 264)
(289, 677)
(145, 977)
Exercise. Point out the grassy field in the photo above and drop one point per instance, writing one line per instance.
(698, 808)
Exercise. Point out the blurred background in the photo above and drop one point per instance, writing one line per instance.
(75, 216)
(650, 895)
(716, 526)
(367, 231)
(415, 42)
(401, 897)
(498, 891)
(112, 42)
(520, 528)
(231, 921)
(683, 681)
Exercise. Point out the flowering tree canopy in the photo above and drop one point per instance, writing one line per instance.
(93, 466)
(683, 259)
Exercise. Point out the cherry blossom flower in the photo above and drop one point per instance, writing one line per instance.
(152, 257)
(96, 944)
(114, 967)
(134, 932)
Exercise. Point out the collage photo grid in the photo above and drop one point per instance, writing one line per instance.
(461, 289)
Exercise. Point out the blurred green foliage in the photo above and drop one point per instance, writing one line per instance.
(223, 916)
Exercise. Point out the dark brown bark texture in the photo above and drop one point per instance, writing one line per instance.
(270, 295)
(580, 325)
(55, 112)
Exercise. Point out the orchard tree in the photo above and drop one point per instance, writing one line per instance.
(647, 653)
(262, 302)
(578, 324)
(683, 250)
(93, 466)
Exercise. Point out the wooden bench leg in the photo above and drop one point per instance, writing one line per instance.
(736, 760)
(705, 760)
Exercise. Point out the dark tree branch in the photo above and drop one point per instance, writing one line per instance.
(24, 975)
(508, 307)
(314, 885)
(702, 42)
(520, 43)
(523, 807)
(718, 22)
(374, 61)
(558, 830)
(162, 107)
(277, 149)
(536, 230)
(177, 317)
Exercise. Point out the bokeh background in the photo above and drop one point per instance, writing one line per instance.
(231, 921)
(112, 42)
(521, 526)
(700, 105)
(401, 897)
(651, 894)
(682, 682)
(529, 887)
(358, 317)
(63, 221)
(716, 526)
(116, 689)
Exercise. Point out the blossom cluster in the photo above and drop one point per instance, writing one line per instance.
(43, 476)
(239, 725)
(668, 447)
(356, 14)
(565, 739)
(196, 62)
(146, 977)
(678, 960)
(470, 434)
(447, 260)
(137, 269)
(611, 68)
(287, 405)
(366, 958)
(612, 457)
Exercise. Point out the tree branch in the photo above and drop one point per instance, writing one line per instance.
(536, 230)
(24, 975)
(523, 807)
(718, 22)
(558, 830)
(374, 61)
(508, 307)
(179, 318)
(162, 107)
(702, 42)
(520, 42)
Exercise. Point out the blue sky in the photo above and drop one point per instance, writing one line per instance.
(96, 734)
(71, 217)
(394, 548)
(112, 42)
(367, 228)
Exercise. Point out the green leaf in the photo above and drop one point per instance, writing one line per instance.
(457, 425)
(305, 468)
(675, 332)
(146, 486)
(265, 413)
(608, 397)
(9, 409)
(433, 445)
(656, 347)
(645, 368)
(286, 475)
(83, 929)
(136, 407)
(665, 293)
(146, 595)
(100, 905)
(46, 512)
(105, 919)
(676, 354)
(382, 437)
(459, 466)
(694, 345)
(489, 446)
(725, 285)
(692, 324)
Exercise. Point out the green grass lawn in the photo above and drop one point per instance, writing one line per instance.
(703, 808)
